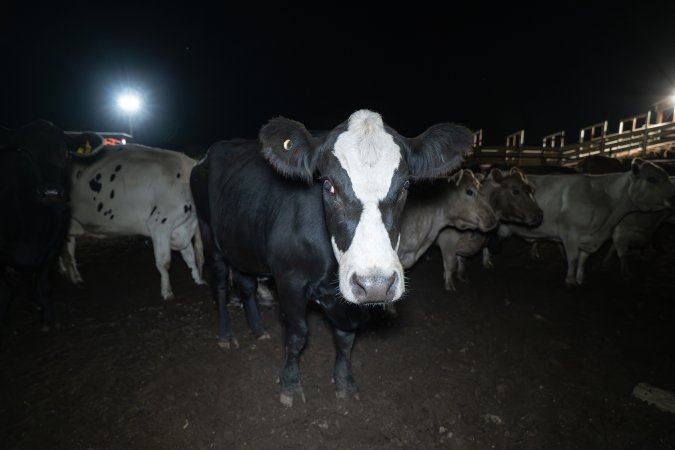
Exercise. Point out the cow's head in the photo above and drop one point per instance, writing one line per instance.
(650, 188)
(513, 200)
(365, 169)
(469, 208)
(45, 152)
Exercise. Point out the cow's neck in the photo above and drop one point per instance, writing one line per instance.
(490, 189)
(427, 212)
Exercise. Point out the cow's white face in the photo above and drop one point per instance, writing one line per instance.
(365, 181)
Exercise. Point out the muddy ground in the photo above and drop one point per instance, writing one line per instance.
(512, 360)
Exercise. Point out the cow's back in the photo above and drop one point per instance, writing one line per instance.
(568, 201)
(125, 186)
(263, 223)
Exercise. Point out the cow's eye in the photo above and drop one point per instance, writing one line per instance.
(652, 180)
(328, 187)
(406, 185)
(516, 192)
(469, 192)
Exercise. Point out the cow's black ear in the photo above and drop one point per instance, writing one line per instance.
(290, 148)
(438, 150)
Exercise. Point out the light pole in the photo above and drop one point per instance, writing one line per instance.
(129, 103)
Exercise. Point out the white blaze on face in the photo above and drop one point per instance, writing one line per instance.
(370, 156)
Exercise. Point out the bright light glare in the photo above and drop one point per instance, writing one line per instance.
(129, 102)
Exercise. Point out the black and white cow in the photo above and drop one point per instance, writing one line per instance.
(319, 214)
(35, 212)
(136, 190)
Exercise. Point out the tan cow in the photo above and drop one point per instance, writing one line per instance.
(581, 211)
(511, 197)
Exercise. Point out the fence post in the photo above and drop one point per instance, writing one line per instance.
(645, 136)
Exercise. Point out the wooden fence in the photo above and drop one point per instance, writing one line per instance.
(657, 140)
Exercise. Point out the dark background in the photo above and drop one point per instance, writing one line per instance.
(208, 73)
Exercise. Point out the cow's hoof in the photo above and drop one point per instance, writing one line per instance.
(488, 265)
(348, 393)
(228, 343)
(168, 297)
(264, 336)
(571, 284)
(287, 399)
(266, 302)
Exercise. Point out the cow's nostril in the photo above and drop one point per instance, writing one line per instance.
(374, 288)
(358, 288)
(391, 285)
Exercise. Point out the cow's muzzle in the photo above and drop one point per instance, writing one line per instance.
(536, 219)
(378, 288)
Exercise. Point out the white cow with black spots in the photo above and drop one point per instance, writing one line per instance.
(136, 190)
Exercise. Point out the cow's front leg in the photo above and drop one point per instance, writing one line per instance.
(290, 374)
(461, 269)
(572, 254)
(68, 263)
(487, 259)
(342, 372)
(624, 262)
(449, 268)
(581, 264)
(444, 242)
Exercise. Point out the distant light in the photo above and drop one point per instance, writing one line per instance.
(124, 141)
(129, 102)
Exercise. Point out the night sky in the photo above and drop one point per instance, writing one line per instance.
(213, 73)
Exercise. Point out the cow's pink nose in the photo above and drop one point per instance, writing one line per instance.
(374, 288)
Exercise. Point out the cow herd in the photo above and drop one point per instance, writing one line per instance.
(334, 219)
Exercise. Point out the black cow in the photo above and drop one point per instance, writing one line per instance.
(35, 211)
(319, 214)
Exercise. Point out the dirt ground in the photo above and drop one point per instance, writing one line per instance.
(512, 360)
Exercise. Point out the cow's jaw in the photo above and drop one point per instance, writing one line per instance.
(370, 271)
